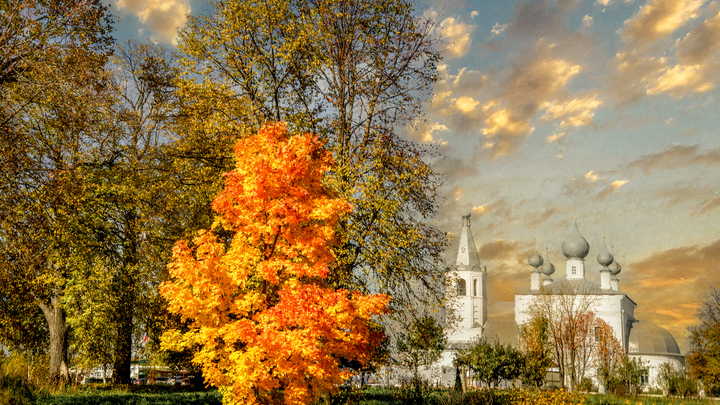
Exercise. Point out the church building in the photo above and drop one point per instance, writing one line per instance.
(641, 339)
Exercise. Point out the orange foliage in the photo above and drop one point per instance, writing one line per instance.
(268, 328)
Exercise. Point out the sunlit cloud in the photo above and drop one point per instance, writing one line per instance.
(591, 176)
(615, 185)
(458, 36)
(466, 104)
(587, 21)
(679, 80)
(163, 17)
(577, 112)
(659, 18)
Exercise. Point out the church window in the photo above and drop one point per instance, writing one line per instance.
(644, 377)
(461, 287)
(475, 287)
(574, 270)
(598, 333)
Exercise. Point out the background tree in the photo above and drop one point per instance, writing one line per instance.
(703, 359)
(534, 343)
(355, 73)
(422, 345)
(51, 59)
(492, 362)
(269, 327)
(571, 325)
(610, 354)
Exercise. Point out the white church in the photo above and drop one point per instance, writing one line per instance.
(641, 339)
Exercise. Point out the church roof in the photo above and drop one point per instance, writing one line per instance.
(502, 330)
(577, 286)
(649, 338)
(467, 252)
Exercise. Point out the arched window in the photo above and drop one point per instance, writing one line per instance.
(461, 287)
(475, 287)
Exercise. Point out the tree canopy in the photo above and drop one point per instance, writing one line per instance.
(268, 325)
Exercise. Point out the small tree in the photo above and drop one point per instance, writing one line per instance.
(535, 345)
(629, 377)
(422, 345)
(253, 289)
(703, 359)
(676, 381)
(492, 362)
(610, 354)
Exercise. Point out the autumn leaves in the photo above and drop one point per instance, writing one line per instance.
(268, 326)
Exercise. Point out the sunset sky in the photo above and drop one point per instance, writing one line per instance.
(602, 110)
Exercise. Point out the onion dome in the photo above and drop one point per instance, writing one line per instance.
(535, 260)
(575, 246)
(604, 257)
(547, 268)
(615, 268)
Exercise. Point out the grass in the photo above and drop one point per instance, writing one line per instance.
(150, 395)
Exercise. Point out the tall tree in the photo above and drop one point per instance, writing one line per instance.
(51, 58)
(571, 325)
(703, 359)
(254, 289)
(354, 72)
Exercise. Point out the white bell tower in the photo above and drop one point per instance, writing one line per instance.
(471, 281)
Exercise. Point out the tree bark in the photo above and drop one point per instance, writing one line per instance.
(55, 316)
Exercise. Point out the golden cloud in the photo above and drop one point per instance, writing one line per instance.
(681, 79)
(659, 18)
(163, 17)
(458, 34)
(576, 112)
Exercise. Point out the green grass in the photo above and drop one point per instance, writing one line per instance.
(121, 397)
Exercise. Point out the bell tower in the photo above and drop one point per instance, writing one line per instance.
(471, 281)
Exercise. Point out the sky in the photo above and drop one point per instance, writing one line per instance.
(550, 110)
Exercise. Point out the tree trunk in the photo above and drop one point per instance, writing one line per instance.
(55, 316)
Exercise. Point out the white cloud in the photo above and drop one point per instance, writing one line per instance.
(163, 17)
(458, 34)
(679, 80)
(498, 29)
(587, 21)
(466, 104)
(473, 14)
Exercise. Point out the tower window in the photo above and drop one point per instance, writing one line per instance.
(461, 287)
(574, 269)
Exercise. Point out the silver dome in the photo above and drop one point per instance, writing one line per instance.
(548, 268)
(615, 268)
(604, 257)
(649, 338)
(575, 246)
(535, 260)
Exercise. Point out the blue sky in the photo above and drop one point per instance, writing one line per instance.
(553, 109)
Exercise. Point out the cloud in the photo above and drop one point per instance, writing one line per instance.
(498, 29)
(458, 34)
(428, 132)
(659, 18)
(555, 137)
(587, 21)
(675, 156)
(163, 17)
(680, 79)
(669, 285)
(466, 104)
(474, 14)
(710, 205)
(576, 112)
(594, 185)
(701, 43)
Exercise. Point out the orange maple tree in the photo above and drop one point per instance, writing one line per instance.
(268, 328)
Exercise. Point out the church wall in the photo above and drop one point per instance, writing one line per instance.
(653, 363)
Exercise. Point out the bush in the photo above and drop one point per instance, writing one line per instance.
(676, 382)
(16, 391)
